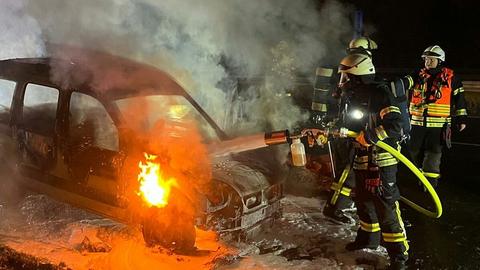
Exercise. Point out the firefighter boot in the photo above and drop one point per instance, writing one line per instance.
(363, 240)
(432, 181)
(335, 214)
(352, 246)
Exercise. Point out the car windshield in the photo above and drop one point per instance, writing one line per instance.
(144, 112)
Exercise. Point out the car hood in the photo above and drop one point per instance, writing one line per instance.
(252, 171)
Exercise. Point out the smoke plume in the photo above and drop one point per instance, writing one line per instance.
(205, 45)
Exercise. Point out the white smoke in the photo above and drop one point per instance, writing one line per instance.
(205, 45)
(21, 35)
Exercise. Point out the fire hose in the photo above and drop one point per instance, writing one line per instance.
(343, 132)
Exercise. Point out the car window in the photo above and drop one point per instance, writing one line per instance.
(7, 89)
(145, 111)
(40, 108)
(90, 123)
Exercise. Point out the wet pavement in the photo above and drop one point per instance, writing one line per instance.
(302, 239)
(452, 241)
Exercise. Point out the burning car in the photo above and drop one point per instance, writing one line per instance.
(126, 141)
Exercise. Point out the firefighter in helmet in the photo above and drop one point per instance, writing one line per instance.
(362, 45)
(341, 188)
(370, 109)
(437, 97)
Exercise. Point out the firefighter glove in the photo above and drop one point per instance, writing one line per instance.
(447, 136)
(374, 185)
(362, 139)
(321, 139)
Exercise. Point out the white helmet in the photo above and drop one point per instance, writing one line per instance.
(357, 64)
(362, 42)
(434, 51)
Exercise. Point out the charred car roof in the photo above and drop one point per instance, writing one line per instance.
(102, 75)
(84, 69)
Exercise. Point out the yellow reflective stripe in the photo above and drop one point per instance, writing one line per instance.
(369, 227)
(416, 123)
(439, 125)
(431, 174)
(360, 162)
(334, 186)
(387, 110)
(387, 162)
(416, 117)
(319, 107)
(458, 90)
(461, 112)
(361, 159)
(414, 110)
(436, 105)
(438, 110)
(342, 179)
(362, 166)
(343, 190)
(410, 81)
(437, 119)
(385, 155)
(381, 133)
(430, 121)
(346, 191)
(394, 237)
(402, 225)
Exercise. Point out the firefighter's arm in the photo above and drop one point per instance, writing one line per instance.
(390, 122)
(409, 82)
(459, 104)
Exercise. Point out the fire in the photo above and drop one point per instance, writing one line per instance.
(154, 188)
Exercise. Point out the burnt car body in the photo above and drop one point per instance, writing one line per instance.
(50, 155)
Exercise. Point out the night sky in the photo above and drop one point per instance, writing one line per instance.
(403, 29)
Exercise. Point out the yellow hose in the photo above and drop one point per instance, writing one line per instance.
(418, 173)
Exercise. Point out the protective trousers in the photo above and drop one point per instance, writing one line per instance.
(427, 141)
(379, 215)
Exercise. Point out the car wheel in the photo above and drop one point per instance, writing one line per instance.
(170, 228)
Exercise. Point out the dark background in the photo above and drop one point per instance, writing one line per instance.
(403, 29)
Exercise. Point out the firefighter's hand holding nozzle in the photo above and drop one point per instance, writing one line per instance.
(315, 135)
(362, 140)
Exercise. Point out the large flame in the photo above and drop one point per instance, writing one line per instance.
(154, 189)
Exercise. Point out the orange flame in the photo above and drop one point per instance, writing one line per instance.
(154, 189)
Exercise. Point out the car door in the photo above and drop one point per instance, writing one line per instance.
(7, 145)
(36, 130)
(91, 150)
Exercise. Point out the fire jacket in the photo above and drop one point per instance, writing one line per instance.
(381, 121)
(437, 95)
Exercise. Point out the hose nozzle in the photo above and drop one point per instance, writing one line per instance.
(277, 137)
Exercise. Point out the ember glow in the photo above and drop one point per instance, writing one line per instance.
(154, 188)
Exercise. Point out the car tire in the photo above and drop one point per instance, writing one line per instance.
(170, 228)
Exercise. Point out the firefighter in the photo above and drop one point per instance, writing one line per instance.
(362, 45)
(339, 199)
(436, 97)
(371, 109)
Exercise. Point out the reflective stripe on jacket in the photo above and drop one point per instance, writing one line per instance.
(430, 106)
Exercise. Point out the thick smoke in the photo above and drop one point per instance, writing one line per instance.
(207, 45)
(21, 35)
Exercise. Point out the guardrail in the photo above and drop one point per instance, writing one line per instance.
(471, 86)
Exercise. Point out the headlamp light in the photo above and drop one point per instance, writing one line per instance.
(356, 114)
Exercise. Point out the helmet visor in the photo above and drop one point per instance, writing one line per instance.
(430, 53)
